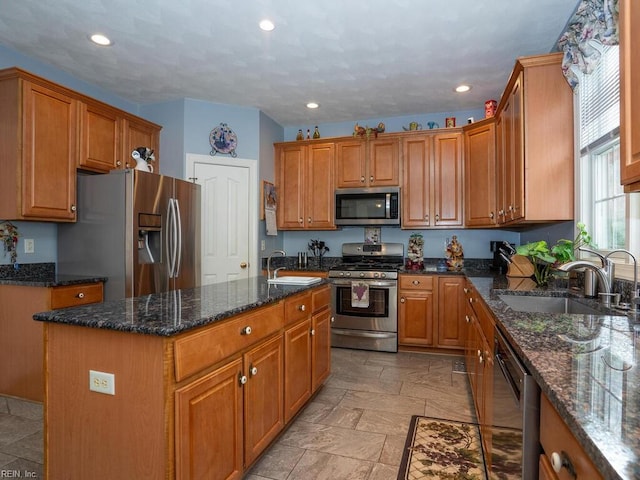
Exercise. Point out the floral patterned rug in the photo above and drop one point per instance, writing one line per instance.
(442, 449)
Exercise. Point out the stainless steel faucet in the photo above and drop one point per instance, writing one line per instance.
(604, 273)
(635, 298)
(281, 252)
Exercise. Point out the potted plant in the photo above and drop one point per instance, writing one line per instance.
(545, 259)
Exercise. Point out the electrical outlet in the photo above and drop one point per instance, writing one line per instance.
(102, 382)
(29, 245)
(263, 245)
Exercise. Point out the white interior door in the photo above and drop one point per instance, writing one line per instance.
(229, 217)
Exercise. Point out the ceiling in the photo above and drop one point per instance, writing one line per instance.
(358, 60)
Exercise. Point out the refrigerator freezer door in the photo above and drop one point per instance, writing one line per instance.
(187, 197)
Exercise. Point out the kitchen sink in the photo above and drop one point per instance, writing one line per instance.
(524, 303)
(294, 280)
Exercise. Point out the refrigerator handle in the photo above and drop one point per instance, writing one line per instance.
(169, 238)
(178, 218)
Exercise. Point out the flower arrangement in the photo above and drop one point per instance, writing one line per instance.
(9, 239)
(318, 248)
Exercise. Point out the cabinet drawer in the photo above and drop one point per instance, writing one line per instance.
(297, 308)
(555, 436)
(75, 295)
(416, 282)
(197, 351)
(320, 298)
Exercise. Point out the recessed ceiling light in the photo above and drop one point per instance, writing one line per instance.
(267, 25)
(100, 39)
(312, 105)
(463, 88)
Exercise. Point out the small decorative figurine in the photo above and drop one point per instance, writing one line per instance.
(454, 254)
(300, 136)
(143, 157)
(316, 133)
(308, 134)
(415, 252)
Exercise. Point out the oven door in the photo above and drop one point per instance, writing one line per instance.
(381, 314)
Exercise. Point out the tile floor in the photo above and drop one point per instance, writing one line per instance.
(354, 429)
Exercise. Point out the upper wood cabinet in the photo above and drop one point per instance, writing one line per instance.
(304, 177)
(535, 144)
(480, 174)
(432, 180)
(38, 149)
(367, 163)
(629, 95)
(137, 132)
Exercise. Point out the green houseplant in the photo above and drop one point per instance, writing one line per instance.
(545, 259)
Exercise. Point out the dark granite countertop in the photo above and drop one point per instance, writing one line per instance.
(170, 313)
(589, 368)
(52, 280)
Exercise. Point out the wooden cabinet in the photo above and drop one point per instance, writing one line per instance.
(629, 96)
(304, 178)
(558, 442)
(21, 343)
(480, 174)
(38, 127)
(432, 180)
(108, 136)
(367, 163)
(320, 337)
(535, 143)
(431, 311)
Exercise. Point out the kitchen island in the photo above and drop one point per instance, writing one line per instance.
(192, 383)
(588, 366)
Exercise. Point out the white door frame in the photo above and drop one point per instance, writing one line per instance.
(254, 191)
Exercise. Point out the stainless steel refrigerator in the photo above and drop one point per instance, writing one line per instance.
(139, 229)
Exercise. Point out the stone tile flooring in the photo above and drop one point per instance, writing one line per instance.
(354, 429)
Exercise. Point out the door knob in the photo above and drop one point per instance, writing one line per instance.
(243, 265)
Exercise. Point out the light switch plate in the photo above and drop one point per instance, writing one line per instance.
(29, 245)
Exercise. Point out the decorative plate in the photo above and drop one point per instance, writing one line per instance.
(223, 140)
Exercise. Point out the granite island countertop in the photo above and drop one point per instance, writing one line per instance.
(170, 313)
(589, 368)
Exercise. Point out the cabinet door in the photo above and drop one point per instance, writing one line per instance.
(263, 397)
(351, 164)
(516, 206)
(501, 164)
(629, 95)
(297, 360)
(416, 312)
(448, 180)
(137, 133)
(208, 426)
(320, 348)
(451, 312)
(417, 172)
(291, 161)
(480, 175)
(100, 149)
(49, 154)
(384, 163)
(320, 190)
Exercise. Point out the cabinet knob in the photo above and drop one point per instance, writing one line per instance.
(309, 219)
(416, 282)
(118, 163)
(471, 300)
(253, 371)
(80, 295)
(313, 332)
(333, 319)
(246, 330)
(371, 178)
(426, 217)
(491, 215)
(73, 208)
(242, 379)
(402, 300)
(437, 217)
(361, 179)
(560, 460)
(300, 220)
(466, 317)
(465, 290)
(302, 308)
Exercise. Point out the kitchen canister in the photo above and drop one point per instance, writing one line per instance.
(490, 107)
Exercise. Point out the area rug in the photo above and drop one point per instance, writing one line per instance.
(442, 449)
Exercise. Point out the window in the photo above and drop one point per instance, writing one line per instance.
(604, 207)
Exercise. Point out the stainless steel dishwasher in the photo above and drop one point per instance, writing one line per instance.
(516, 417)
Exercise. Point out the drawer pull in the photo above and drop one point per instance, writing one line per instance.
(80, 295)
(246, 330)
(302, 308)
(253, 371)
(559, 460)
(466, 317)
(416, 282)
(402, 300)
(242, 379)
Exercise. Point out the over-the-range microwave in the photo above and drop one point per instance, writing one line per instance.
(368, 206)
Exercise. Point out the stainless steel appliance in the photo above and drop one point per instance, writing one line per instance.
(139, 229)
(370, 270)
(368, 206)
(516, 416)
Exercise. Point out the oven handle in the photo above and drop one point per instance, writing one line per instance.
(371, 283)
(362, 333)
(508, 378)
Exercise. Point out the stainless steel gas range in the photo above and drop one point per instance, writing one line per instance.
(364, 296)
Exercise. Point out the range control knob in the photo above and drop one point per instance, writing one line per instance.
(376, 275)
(361, 274)
(383, 275)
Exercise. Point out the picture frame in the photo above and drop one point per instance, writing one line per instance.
(268, 198)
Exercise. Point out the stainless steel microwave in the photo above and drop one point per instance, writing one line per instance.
(368, 206)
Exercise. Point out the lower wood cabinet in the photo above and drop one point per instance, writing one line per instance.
(431, 311)
(21, 343)
(297, 351)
